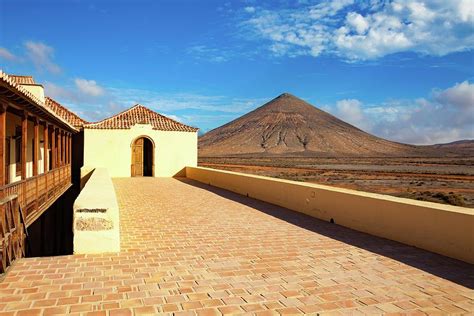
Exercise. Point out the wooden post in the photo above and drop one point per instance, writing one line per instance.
(24, 147)
(24, 144)
(69, 170)
(60, 148)
(70, 159)
(3, 134)
(53, 147)
(63, 137)
(70, 149)
(53, 154)
(45, 147)
(65, 148)
(57, 148)
(36, 147)
(35, 160)
(45, 158)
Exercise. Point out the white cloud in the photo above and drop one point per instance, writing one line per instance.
(58, 92)
(466, 11)
(81, 92)
(6, 54)
(328, 9)
(445, 116)
(214, 55)
(42, 56)
(461, 95)
(89, 87)
(350, 110)
(249, 9)
(174, 117)
(357, 31)
(358, 22)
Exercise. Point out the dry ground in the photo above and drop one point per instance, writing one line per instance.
(442, 180)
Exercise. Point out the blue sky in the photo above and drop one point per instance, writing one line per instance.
(403, 70)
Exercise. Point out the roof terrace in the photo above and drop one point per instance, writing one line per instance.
(188, 248)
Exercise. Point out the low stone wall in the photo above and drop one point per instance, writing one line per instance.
(96, 216)
(443, 229)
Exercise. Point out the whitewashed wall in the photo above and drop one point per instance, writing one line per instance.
(111, 149)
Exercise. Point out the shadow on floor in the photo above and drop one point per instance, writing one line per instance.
(444, 267)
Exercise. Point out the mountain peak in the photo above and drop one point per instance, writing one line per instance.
(288, 125)
(287, 96)
(287, 102)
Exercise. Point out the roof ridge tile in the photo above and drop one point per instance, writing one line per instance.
(139, 114)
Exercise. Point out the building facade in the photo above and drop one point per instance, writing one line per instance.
(140, 142)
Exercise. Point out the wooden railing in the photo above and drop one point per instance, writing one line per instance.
(36, 193)
(12, 231)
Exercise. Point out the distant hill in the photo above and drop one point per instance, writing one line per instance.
(460, 147)
(288, 126)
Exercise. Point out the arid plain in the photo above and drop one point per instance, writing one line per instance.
(442, 180)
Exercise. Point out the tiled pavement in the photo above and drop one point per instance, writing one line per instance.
(191, 249)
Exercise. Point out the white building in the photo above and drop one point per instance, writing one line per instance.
(140, 142)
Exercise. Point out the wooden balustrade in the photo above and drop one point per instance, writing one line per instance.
(12, 231)
(37, 193)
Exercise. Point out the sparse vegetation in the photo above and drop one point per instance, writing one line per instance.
(439, 197)
(437, 180)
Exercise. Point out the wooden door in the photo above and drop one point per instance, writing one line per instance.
(137, 158)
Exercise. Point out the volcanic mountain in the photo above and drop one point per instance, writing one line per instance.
(288, 126)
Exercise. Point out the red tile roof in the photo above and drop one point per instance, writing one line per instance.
(65, 113)
(139, 114)
(10, 83)
(22, 79)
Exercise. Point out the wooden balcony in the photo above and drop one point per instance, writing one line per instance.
(37, 141)
(37, 193)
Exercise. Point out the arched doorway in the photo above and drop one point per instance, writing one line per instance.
(143, 157)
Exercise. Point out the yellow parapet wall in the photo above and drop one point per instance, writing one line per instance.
(444, 229)
(96, 223)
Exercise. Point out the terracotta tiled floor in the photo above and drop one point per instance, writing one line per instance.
(191, 249)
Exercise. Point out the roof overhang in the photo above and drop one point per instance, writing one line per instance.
(21, 99)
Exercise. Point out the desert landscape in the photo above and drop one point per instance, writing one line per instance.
(291, 139)
(441, 180)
